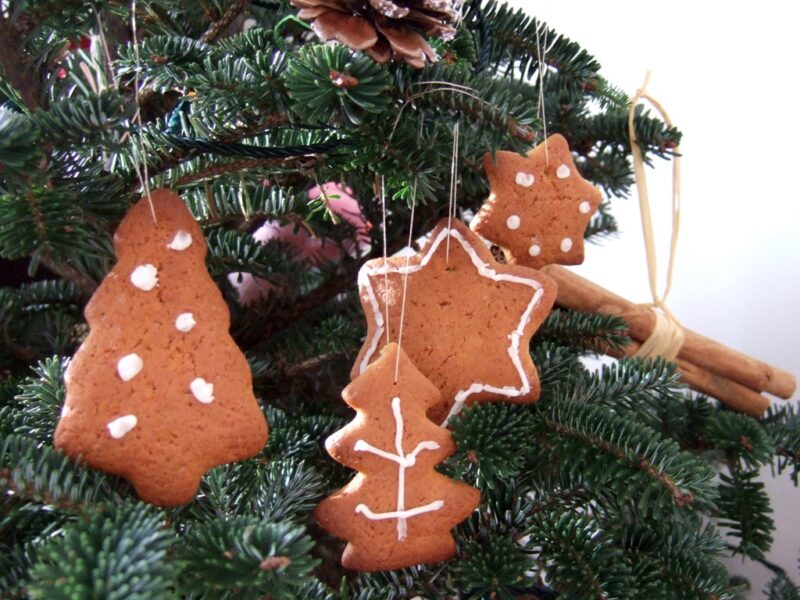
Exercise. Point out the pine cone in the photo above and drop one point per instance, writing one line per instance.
(384, 29)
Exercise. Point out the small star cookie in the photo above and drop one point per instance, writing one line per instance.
(539, 205)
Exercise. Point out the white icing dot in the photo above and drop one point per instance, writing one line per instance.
(524, 179)
(535, 250)
(181, 241)
(566, 245)
(129, 366)
(562, 172)
(584, 207)
(513, 222)
(120, 427)
(185, 322)
(145, 277)
(202, 390)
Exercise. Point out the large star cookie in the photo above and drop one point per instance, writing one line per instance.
(468, 319)
(539, 205)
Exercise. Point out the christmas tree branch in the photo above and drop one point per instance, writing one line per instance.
(70, 273)
(227, 18)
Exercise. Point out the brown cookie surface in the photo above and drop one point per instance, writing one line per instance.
(158, 393)
(397, 511)
(468, 319)
(539, 205)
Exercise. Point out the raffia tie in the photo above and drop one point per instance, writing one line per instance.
(667, 337)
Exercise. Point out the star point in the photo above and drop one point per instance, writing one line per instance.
(539, 205)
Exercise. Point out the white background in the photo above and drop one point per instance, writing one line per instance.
(727, 76)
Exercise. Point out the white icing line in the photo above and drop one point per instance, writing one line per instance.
(524, 179)
(513, 222)
(202, 390)
(119, 428)
(145, 277)
(181, 241)
(403, 461)
(365, 282)
(563, 172)
(185, 322)
(399, 514)
(129, 366)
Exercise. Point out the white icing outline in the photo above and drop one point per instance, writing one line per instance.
(403, 461)
(484, 270)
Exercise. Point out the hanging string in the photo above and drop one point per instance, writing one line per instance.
(451, 208)
(385, 258)
(542, 109)
(405, 282)
(144, 178)
(667, 337)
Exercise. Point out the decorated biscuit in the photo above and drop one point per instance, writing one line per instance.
(397, 511)
(461, 307)
(539, 205)
(159, 392)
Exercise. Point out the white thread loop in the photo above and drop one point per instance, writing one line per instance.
(143, 178)
(451, 209)
(541, 54)
(405, 283)
(385, 257)
(667, 337)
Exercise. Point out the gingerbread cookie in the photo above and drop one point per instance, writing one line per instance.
(398, 511)
(159, 392)
(468, 319)
(539, 205)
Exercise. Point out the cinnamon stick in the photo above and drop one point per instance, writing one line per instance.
(577, 293)
(728, 392)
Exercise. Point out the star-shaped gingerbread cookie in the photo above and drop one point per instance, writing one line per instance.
(539, 205)
(468, 319)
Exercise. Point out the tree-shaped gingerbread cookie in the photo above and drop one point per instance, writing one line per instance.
(159, 392)
(397, 511)
(539, 205)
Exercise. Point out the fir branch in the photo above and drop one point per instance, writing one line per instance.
(582, 561)
(229, 167)
(218, 27)
(658, 473)
(591, 331)
(114, 555)
(245, 557)
(494, 567)
(39, 401)
(492, 441)
(744, 507)
(41, 475)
